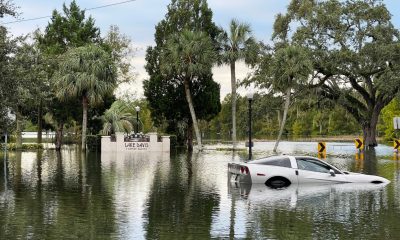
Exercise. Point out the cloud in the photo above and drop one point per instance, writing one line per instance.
(222, 75)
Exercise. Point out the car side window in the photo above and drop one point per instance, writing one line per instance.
(312, 165)
(280, 162)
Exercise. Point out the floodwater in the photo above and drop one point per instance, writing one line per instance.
(71, 195)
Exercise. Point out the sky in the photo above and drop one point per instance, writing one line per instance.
(137, 20)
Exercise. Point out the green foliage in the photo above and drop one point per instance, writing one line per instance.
(25, 146)
(7, 7)
(238, 43)
(388, 113)
(165, 94)
(119, 46)
(117, 119)
(187, 56)
(68, 29)
(121, 117)
(302, 126)
(145, 121)
(306, 115)
(7, 89)
(265, 120)
(30, 127)
(291, 67)
(173, 141)
(85, 72)
(93, 143)
(341, 123)
(354, 49)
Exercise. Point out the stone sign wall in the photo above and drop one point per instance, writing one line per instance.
(121, 145)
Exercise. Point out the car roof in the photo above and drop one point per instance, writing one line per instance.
(268, 158)
(280, 156)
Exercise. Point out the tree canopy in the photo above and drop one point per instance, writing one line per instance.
(68, 29)
(354, 49)
(165, 94)
(87, 73)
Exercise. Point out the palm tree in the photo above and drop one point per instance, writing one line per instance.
(188, 56)
(117, 119)
(290, 67)
(87, 73)
(237, 44)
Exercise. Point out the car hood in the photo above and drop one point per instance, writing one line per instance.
(364, 178)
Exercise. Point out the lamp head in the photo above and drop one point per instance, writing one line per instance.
(137, 108)
(250, 95)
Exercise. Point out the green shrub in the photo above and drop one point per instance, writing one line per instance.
(26, 146)
(174, 141)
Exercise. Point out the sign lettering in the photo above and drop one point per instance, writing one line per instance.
(136, 145)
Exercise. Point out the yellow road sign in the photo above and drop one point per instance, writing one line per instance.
(396, 144)
(322, 147)
(359, 143)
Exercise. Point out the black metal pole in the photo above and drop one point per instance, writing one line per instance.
(137, 122)
(250, 143)
(5, 160)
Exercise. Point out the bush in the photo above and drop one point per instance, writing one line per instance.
(174, 141)
(26, 146)
(93, 143)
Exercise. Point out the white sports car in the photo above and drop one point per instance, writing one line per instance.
(282, 171)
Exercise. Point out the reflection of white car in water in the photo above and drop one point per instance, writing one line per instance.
(282, 171)
(258, 193)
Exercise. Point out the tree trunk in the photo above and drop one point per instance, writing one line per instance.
(59, 135)
(369, 129)
(233, 85)
(40, 122)
(285, 111)
(320, 128)
(190, 137)
(278, 112)
(84, 121)
(192, 112)
(18, 119)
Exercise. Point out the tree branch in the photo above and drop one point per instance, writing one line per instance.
(361, 90)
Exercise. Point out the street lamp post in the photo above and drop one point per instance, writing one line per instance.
(137, 108)
(5, 160)
(250, 98)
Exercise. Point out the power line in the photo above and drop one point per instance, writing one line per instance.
(86, 9)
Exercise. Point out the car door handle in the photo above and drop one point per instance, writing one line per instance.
(297, 172)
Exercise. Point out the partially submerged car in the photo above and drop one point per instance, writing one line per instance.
(282, 171)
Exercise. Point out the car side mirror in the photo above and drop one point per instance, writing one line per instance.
(332, 172)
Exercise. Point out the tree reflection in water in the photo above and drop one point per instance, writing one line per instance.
(185, 196)
(181, 204)
(46, 202)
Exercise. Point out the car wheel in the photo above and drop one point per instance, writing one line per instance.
(278, 182)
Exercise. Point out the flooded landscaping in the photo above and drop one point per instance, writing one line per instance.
(46, 195)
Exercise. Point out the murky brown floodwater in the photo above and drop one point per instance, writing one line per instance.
(45, 195)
